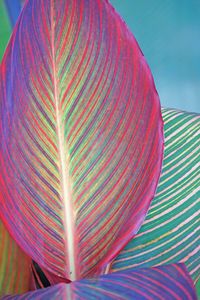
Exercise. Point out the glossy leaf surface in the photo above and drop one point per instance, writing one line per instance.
(166, 282)
(170, 232)
(15, 270)
(81, 135)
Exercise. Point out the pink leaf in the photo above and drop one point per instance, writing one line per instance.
(81, 135)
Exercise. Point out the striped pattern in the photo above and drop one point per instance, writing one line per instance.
(56, 292)
(167, 282)
(14, 265)
(81, 135)
(171, 230)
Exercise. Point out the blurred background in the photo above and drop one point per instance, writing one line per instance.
(168, 33)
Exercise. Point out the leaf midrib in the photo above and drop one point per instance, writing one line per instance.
(66, 196)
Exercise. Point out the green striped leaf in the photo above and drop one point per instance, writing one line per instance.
(170, 232)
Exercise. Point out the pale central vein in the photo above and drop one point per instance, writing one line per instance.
(64, 172)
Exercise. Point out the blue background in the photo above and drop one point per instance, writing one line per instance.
(168, 33)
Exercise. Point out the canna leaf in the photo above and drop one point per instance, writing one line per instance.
(170, 232)
(14, 265)
(165, 282)
(81, 135)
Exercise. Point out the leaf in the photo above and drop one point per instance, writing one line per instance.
(81, 135)
(41, 278)
(57, 291)
(14, 265)
(170, 232)
(165, 282)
